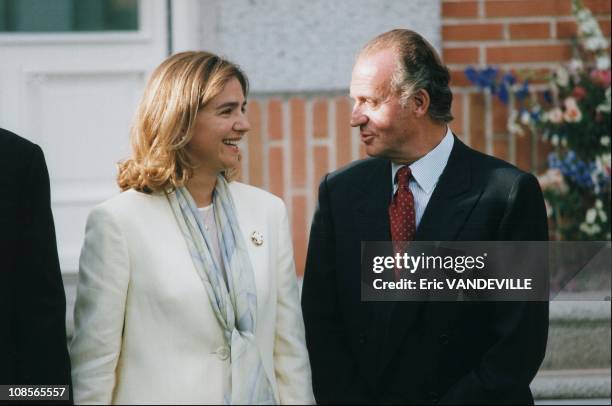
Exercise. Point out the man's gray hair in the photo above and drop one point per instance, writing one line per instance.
(418, 67)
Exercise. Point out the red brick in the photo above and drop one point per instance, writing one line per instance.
(343, 132)
(523, 151)
(500, 116)
(517, 8)
(529, 30)
(255, 145)
(457, 111)
(458, 79)
(319, 118)
(460, 55)
(298, 142)
(463, 9)
(544, 148)
(500, 148)
(275, 119)
(477, 119)
(568, 29)
(321, 166)
(299, 227)
(523, 53)
(275, 171)
(598, 7)
(472, 32)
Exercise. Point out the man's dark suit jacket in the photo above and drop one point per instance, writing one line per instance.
(416, 352)
(33, 346)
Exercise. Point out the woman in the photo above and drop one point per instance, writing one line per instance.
(187, 289)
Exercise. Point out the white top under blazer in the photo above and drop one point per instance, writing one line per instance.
(145, 331)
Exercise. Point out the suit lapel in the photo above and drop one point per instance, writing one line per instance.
(452, 200)
(373, 198)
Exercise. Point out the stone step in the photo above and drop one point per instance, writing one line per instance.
(579, 335)
(572, 384)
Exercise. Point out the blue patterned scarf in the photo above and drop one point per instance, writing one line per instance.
(235, 309)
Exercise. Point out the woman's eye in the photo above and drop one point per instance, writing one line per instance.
(226, 111)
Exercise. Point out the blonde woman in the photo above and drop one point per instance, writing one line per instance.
(187, 290)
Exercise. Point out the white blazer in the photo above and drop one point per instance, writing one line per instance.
(145, 331)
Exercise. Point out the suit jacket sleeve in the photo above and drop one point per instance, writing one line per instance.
(521, 327)
(99, 309)
(291, 364)
(41, 309)
(334, 370)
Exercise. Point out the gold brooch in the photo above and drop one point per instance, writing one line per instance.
(257, 238)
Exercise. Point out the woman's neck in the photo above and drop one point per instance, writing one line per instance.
(201, 187)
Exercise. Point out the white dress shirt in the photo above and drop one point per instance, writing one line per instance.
(425, 173)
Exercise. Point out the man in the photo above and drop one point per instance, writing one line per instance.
(416, 352)
(33, 348)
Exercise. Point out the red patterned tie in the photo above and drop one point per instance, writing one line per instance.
(402, 217)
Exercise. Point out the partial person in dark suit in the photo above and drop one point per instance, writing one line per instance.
(416, 352)
(33, 347)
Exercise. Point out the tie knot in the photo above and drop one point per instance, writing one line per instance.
(403, 175)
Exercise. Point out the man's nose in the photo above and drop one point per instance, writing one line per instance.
(357, 117)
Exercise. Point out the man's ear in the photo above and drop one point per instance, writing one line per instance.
(421, 102)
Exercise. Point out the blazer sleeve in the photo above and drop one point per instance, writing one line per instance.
(334, 369)
(99, 310)
(291, 364)
(521, 327)
(41, 308)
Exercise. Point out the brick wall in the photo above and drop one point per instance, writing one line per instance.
(510, 34)
(297, 138)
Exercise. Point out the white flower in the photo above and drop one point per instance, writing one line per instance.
(572, 112)
(564, 142)
(602, 216)
(595, 43)
(605, 140)
(589, 27)
(598, 204)
(576, 65)
(525, 118)
(591, 215)
(562, 76)
(555, 115)
(605, 106)
(583, 14)
(554, 140)
(603, 62)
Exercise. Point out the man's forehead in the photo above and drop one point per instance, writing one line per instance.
(374, 69)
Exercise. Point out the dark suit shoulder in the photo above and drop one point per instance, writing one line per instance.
(492, 171)
(356, 171)
(12, 144)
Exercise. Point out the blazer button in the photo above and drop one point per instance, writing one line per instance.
(444, 339)
(223, 353)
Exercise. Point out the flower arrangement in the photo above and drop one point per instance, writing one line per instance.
(572, 113)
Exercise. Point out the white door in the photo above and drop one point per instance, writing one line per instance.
(73, 91)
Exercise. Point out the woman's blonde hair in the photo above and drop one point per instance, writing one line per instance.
(177, 90)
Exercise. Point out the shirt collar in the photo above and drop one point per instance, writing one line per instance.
(427, 170)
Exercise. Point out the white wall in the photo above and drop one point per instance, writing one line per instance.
(291, 45)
